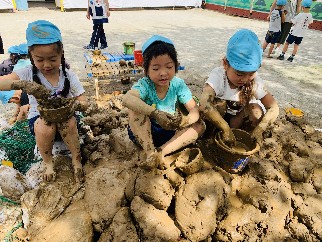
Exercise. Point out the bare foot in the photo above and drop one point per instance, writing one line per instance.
(49, 173)
(78, 172)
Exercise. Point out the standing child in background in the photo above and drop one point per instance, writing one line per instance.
(99, 11)
(301, 23)
(152, 104)
(233, 93)
(48, 73)
(277, 17)
(291, 8)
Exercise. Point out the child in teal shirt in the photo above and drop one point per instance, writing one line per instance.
(152, 104)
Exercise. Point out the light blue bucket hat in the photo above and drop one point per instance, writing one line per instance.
(42, 32)
(23, 49)
(281, 2)
(14, 49)
(244, 51)
(306, 3)
(153, 39)
(6, 95)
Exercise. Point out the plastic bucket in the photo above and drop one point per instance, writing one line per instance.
(234, 159)
(129, 48)
(138, 57)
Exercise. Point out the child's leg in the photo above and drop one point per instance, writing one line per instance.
(183, 138)
(95, 36)
(45, 135)
(270, 50)
(296, 48)
(264, 45)
(141, 128)
(69, 133)
(102, 37)
(285, 47)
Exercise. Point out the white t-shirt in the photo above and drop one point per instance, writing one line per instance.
(290, 7)
(219, 82)
(275, 21)
(75, 90)
(301, 23)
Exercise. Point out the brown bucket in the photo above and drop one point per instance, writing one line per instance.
(234, 159)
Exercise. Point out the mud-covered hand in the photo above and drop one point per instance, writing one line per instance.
(32, 88)
(257, 134)
(78, 106)
(181, 121)
(164, 119)
(228, 137)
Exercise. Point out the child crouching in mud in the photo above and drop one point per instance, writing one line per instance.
(152, 103)
(47, 78)
(233, 92)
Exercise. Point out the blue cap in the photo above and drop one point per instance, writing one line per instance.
(14, 49)
(281, 2)
(153, 39)
(306, 3)
(6, 95)
(244, 51)
(23, 49)
(42, 32)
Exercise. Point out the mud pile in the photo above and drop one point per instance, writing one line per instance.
(277, 197)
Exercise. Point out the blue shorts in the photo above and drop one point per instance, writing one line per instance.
(160, 136)
(57, 136)
(272, 37)
(294, 39)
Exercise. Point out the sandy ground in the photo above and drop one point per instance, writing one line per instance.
(200, 37)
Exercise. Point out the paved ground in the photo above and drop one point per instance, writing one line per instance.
(200, 37)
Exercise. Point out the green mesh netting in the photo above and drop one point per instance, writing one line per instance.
(18, 144)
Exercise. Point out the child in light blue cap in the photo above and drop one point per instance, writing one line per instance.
(152, 103)
(301, 23)
(234, 93)
(276, 18)
(48, 73)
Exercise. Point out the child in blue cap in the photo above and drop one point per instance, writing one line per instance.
(152, 103)
(301, 23)
(99, 11)
(234, 92)
(48, 73)
(277, 17)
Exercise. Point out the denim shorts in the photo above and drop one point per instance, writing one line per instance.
(160, 136)
(57, 136)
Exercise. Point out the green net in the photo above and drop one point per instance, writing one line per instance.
(18, 144)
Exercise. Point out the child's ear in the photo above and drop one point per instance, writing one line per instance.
(225, 64)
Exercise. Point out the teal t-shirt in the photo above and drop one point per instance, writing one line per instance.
(178, 92)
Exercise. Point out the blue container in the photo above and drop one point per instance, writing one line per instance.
(22, 5)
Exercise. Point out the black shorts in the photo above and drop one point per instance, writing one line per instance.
(272, 37)
(24, 100)
(294, 39)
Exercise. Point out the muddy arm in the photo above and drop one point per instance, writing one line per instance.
(213, 115)
(32, 88)
(132, 101)
(272, 112)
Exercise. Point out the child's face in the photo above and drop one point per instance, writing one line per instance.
(47, 58)
(161, 70)
(238, 78)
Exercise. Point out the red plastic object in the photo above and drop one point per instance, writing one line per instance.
(138, 58)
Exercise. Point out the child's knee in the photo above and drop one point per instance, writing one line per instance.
(256, 114)
(199, 127)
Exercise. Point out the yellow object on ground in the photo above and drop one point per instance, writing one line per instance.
(7, 163)
(294, 112)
